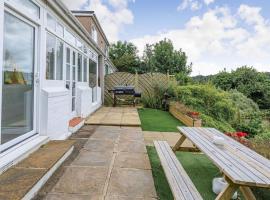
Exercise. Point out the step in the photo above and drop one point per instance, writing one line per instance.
(25, 179)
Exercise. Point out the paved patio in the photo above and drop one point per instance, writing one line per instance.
(170, 137)
(112, 165)
(115, 116)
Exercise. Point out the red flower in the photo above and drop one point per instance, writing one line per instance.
(241, 134)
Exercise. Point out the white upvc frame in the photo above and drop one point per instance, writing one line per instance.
(35, 79)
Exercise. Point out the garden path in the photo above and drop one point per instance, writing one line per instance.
(112, 165)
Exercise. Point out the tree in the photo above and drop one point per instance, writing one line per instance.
(124, 56)
(249, 81)
(165, 58)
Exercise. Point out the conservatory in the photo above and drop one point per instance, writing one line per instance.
(51, 72)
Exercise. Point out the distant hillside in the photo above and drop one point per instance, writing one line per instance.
(202, 79)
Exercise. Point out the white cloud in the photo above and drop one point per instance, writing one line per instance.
(112, 19)
(217, 40)
(207, 2)
(193, 4)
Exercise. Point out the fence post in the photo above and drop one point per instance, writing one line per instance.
(136, 81)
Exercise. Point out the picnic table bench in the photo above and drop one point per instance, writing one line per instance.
(181, 186)
(242, 167)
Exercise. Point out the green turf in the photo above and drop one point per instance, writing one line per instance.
(157, 120)
(199, 168)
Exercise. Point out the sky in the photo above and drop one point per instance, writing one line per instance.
(215, 34)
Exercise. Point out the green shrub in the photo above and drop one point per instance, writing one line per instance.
(220, 125)
(153, 98)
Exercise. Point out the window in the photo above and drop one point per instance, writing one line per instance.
(30, 7)
(85, 70)
(94, 34)
(79, 67)
(51, 22)
(79, 45)
(59, 60)
(50, 61)
(70, 37)
(60, 30)
(54, 58)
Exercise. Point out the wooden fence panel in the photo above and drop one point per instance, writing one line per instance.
(143, 83)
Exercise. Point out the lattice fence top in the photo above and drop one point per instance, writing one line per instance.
(143, 83)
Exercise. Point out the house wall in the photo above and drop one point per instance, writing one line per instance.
(53, 99)
(88, 22)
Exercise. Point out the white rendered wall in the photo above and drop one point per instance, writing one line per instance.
(84, 101)
(55, 113)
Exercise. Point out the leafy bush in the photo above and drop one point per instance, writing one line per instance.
(226, 111)
(208, 100)
(153, 98)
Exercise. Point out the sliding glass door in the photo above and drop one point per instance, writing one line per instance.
(18, 89)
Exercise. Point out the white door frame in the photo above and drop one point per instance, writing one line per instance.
(21, 138)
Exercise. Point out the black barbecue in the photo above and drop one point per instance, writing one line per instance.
(125, 90)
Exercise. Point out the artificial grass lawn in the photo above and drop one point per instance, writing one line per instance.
(158, 120)
(199, 168)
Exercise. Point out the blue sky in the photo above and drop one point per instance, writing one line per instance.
(152, 16)
(215, 34)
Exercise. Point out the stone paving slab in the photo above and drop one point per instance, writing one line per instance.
(82, 180)
(170, 137)
(131, 182)
(16, 182)
(115, 116)
(99, 145)
(112, 165)
(93, 159)
(132, 160)
(65, 196)
(131, 146)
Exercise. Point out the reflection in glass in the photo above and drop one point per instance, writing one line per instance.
(79, 67)
(17, 88)
(59, 60)
(93, 79)
(50, 48)
(30, 7)
(51, 22)
(85, 70)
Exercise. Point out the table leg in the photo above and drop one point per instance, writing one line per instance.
(179, 143)
(228, 192)
(247, 193)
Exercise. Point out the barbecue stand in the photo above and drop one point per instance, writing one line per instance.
(125, 91)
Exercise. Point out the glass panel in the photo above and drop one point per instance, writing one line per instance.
(50, 43)
(93, 78)
(51, 22)
(59, 61)
(85, 70)
(30, 7)
(70, 38)
(68, 64)
(60, 30)
(79, 67)
(18, 69)
(73, 104)
(79, 45)
(73, 73)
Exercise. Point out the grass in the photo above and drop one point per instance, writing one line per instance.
(199, 168)
(158, 120)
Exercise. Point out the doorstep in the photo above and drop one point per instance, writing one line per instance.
(24, 180)
(75, 124)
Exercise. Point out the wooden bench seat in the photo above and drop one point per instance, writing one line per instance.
(181, 186)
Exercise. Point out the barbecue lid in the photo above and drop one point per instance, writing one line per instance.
(124, 88)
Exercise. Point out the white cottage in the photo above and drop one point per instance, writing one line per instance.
(53, 63)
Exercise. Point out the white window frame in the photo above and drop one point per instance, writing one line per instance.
(36, 70)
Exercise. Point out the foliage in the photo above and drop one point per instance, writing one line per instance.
(247, 80)
(158, 120)
(162, 57)
(208, 100)
(182, 78)
(154, 97)
(124, 56)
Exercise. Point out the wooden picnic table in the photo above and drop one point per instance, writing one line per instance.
(242, 167)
